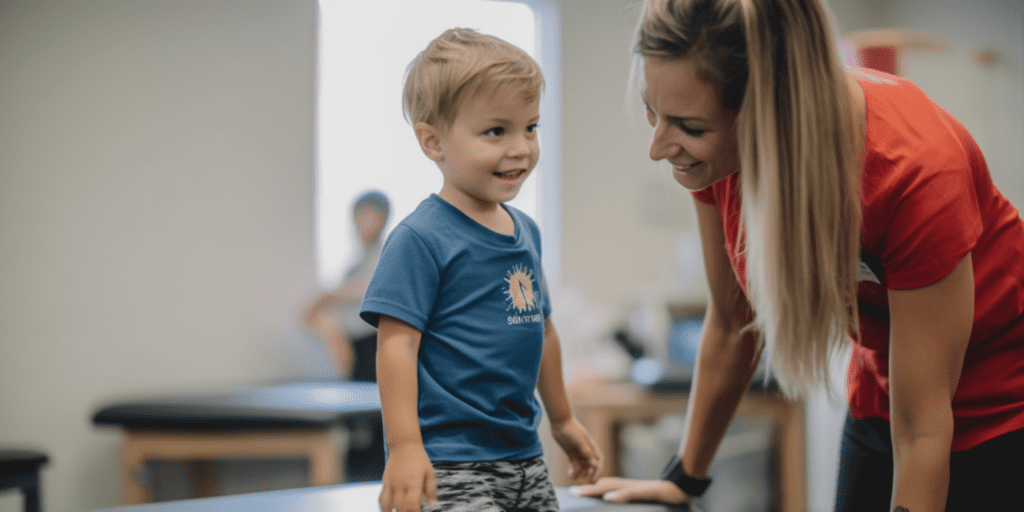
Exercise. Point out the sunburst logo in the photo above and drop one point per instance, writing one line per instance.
(520, 293)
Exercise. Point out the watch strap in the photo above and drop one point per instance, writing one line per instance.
(674, 473)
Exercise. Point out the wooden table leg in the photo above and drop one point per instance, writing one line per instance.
(133, 467)
(793, 459)
(321, 447)
(205, 478)
(325, 465)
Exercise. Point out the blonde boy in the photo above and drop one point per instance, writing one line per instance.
(460, 300)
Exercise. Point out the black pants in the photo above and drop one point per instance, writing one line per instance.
(986, 477)
(365, 459)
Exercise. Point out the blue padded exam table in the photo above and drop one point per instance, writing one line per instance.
(296, 420)
(361, 497)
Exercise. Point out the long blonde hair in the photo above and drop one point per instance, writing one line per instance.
(777, 67)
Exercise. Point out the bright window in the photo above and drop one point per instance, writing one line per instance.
(363, 139)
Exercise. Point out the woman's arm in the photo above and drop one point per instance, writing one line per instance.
(408, 475)
(929, 331)
(727, 358)
(586, 458)
(321, 317)
(313, 316)
(725, 365)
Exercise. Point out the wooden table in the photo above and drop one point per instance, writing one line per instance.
(604, 406)
(300, 420)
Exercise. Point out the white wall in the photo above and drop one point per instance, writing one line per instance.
(987, 98)
(156, 220)
(622, 214)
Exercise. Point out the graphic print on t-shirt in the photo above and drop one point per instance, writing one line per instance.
(522, 295)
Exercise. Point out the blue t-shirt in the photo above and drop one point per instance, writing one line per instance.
(480, 301)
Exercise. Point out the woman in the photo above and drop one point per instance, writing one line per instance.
(334, 317)
(838, 206)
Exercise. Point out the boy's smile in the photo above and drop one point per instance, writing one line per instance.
(489, 150)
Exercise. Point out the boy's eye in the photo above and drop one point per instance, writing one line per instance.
(532, 128)
(495, 132)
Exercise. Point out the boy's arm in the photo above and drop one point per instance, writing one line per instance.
(408, 475)
(586, 458)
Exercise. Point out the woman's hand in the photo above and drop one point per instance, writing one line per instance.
(584, 455)
(623, 490)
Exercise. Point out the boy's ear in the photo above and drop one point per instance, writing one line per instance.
(430, 141)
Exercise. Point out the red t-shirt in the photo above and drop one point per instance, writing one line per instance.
(928, 200)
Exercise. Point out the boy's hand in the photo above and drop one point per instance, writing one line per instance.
(408, 480)
(587, 460)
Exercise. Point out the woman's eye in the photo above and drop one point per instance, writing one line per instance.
(495, 132)
(651, 118)
(693, 132)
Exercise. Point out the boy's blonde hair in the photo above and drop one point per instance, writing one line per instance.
(777, 67)
(458, 65)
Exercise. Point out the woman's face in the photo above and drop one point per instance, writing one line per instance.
(691, 128)
(369, 223)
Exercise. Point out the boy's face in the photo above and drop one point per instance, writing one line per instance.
(489, 149)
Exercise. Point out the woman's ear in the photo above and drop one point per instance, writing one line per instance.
(430, 141)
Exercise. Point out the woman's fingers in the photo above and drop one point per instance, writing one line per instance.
(622, 490)
(601, 487)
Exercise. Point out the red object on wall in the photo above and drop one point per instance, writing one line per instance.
(880, 58)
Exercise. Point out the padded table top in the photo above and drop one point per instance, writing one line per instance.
(304, 405)
(361, 497)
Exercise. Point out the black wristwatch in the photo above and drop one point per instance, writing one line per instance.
(674, 473)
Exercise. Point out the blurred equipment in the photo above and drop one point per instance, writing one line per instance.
(666, 365)
(19, 469)
(882, 48)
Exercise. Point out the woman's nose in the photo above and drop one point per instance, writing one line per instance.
(661, 148)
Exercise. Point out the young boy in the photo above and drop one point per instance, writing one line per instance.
(460, 300)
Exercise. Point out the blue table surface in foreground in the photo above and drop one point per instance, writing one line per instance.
(361, 497)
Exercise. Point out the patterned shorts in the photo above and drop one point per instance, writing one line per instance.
(494, 486)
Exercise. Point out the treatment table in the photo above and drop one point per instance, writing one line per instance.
(296, 420)
(359, 497)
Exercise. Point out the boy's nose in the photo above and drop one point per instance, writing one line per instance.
(519, 147)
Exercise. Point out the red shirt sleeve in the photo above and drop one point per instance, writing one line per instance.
(925, 208)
